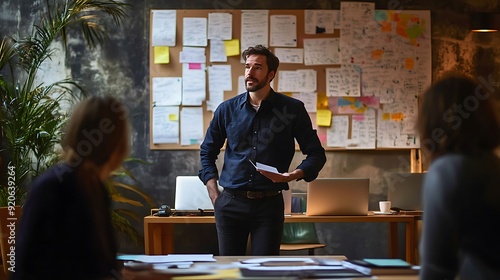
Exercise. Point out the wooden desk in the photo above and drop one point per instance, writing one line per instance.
(159, 231)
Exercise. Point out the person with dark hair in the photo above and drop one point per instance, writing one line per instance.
(261, 126)
(65, 229)
(460, 132)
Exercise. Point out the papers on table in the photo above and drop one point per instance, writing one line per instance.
(298, 267)
(382, 266)
(282, 261)
(170, 258)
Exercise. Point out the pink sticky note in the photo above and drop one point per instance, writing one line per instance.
(195, 66)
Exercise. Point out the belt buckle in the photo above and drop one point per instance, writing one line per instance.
(254, 195)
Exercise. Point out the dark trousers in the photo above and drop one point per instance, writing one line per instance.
(236, 217)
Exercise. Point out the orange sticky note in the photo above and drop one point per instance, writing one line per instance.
(324, 118)
(386, 116)
(321, 101)
(232, 47)
(161, 54)
(401, 30)
(386, 26)
(409, 63)
(377, 54)
(397, 116)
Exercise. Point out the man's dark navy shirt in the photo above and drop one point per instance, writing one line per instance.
(266, 136)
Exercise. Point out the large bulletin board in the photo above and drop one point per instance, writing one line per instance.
(363, 100)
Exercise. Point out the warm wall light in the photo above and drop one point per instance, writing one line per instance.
(483, 22)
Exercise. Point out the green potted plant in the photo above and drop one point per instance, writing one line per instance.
(122, 216)
(31, 112)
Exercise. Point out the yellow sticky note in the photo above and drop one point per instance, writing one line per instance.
(232, 47)
(161, 54)
(323, 117)
(386, 116)
(173, 117)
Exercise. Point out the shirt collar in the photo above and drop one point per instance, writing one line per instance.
(270, 98)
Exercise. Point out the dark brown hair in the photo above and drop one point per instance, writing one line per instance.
(97, 129)
(272, 61)
(457, 116)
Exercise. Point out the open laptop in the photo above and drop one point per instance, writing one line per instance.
(191, 196)
(338, 197)
(405, 190)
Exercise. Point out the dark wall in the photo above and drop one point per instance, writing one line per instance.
(121, 67)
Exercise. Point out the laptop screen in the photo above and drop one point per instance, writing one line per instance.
(191, 194)
(405, 190)
(338, 197)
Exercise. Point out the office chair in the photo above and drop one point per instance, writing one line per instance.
(300, 236)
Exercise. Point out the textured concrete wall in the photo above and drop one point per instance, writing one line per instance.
(121, 67)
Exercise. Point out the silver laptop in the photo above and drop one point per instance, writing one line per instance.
(191, 195)
(338, 197)
(405, 190)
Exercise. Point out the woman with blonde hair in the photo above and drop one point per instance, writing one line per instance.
(65, 230)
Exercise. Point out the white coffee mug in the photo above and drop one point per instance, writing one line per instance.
(385, 206)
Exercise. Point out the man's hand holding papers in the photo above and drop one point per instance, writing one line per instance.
(272, 173)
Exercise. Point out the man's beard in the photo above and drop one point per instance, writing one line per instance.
(255, 87)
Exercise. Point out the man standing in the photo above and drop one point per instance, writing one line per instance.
(260, 125)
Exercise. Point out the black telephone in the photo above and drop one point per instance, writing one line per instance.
(164, 211)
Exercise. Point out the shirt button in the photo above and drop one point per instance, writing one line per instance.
(255, 132)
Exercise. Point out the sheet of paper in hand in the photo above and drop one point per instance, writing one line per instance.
(260, 166)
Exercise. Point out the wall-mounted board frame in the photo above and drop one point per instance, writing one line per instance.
(174, 69)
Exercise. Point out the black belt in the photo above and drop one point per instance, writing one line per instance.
(253, 194)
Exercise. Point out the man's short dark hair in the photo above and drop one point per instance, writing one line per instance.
(272, 61)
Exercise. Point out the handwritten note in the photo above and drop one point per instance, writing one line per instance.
(283, 31)
(254, 28)
(191, 125)
(290, 55)
(193, 85)
(338, 132)
(321, 21)
(163, 27)
(194, 32)
(321, 51)
(166, 91)
(165, 124)
(220, 26)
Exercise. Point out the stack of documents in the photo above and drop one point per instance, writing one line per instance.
(297, 267)
(162, 262)
(382, 266)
